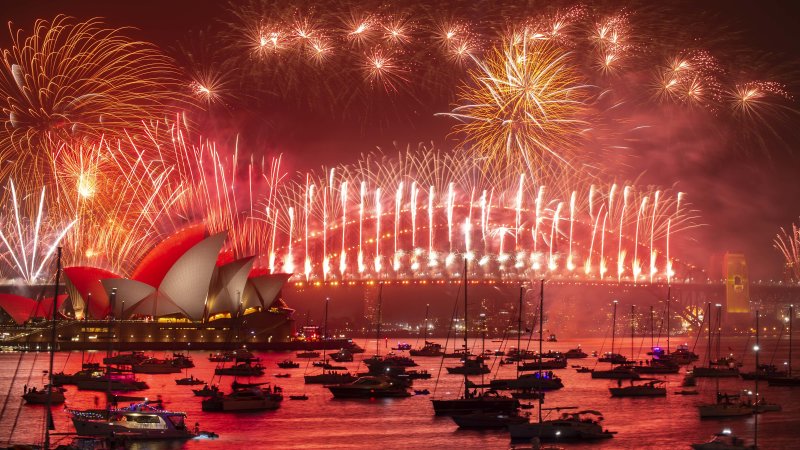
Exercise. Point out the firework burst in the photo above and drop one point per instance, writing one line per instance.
(71, 79)
(524, 103)
(788, 243)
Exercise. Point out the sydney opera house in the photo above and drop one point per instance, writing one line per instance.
(185, 293)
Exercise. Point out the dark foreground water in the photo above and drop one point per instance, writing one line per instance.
(322, 422)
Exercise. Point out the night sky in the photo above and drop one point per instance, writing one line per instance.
(743, 196)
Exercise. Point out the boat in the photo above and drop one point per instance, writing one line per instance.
(308, 354)
(182, 361)
(288, 364)
(575, 353)
(787, 380)
(283, 375)
(617, 373)
(111, 381)
(724, 441)
(487, 420)
(298, 397)
(391, 360)
(542, 364)
(155, 366)
(243, 399)
(36, 396)
(141, 421)
(429, 349)
(613, 358)
(552, 338)
(370, 387)
(681, 356)
(577, 426)
(221, 357)
(421, 392)
(189, 381)
(88, 370)
(725, 406)
(417, 374)
(330, 377)
(243, 369)
(470, 366)
(653, 388)
(583, 369)
(402, 346)
(488, 400)
(330, 374)
(328, 366)
(207, 391)
(539, 381)
(125, 359)
(764, 371)
(546, 381)
(343, 355)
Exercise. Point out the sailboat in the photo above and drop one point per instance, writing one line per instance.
(788, 379)
(726, 405)
(381, 381)
(328, 376)
(388, 365)
(657, 364)
(539, 381)
(718, 368)
(498, 419)
(486, 401)
(622, 371)
(429, 348)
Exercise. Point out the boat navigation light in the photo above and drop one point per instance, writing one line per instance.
(726, 431)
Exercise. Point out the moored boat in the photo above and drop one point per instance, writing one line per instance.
(575, 353)
(39, 396)
(155, 366)
(578, 426)
(653, 388)
(136, 422)
(244, 399)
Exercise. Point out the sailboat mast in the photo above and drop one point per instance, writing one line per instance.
(541, 338)
(325, 330)
(756, 348)
(710, 323)
(633, 311)
(50, 426)
(719, 331)
(652, 331)
(466, 385)
(519, 328)
(378, 325)
(425, 332)
(791, 319)
(669, 297)
(613, 327)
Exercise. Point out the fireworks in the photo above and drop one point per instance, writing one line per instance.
(408, 238)
(788, 243)
(524, 103)
(29, 236)
(71, 79)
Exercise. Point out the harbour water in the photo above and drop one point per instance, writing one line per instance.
(324, 423)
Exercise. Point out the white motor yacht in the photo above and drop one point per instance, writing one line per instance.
(139, 421)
